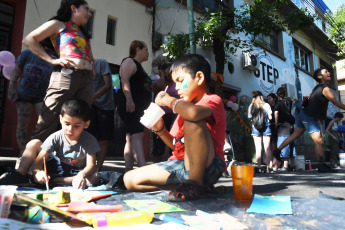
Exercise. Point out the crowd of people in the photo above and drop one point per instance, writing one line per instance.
(78, 96)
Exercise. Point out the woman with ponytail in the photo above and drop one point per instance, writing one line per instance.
(72, 77)
(261, 135)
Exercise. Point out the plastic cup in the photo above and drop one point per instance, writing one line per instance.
(242, 182)
(151, 115)
(6, 197)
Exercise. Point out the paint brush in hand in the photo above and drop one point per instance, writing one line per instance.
(45, 170)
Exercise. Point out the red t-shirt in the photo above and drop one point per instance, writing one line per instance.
(215, 123)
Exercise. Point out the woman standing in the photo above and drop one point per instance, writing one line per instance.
(72, 76)
(134, 97)
(261, 135)
(285, 128)
(32, 75)
(315, 110)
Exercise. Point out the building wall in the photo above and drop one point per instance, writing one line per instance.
(133, 23)
(275, 70)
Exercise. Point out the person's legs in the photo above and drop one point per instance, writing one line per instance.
(146, 178)
(38, 107)
(296, 134)
(24, 112)
(30, 153)
(317, 138)
(334, 151)
(127, 153)
(258, 149)
(199, 150)
(266, 141)
(137, 145)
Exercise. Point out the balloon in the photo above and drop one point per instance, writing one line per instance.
(7, 71)
(232, 98)
(235, 107)
(115, 80)
(229, 103)
(6, 58)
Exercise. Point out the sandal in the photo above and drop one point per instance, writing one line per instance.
(188, 190)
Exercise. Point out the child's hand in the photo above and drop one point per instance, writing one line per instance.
(164, 99)
(159, 125)
(79, 181)
(41, 177)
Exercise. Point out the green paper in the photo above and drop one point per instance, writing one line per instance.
(155, 206)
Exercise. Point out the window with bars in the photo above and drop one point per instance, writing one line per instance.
(302, 58)
(271, 42)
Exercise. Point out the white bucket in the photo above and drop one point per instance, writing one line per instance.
(300, 163)
(342, 160)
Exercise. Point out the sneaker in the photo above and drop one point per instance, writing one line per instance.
(258, 170)
(13, 178)
(186, 191)
(323, 168)
(276, 154)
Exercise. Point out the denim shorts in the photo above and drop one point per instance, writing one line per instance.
(289, 150)
(308, 123)
(264, 132)
(178, 173)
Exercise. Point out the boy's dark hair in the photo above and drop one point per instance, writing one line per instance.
(338, 115)
(193, 63)
(273, 96)
(317, 73)
(64, 13)
(256, 94)
(76, 108)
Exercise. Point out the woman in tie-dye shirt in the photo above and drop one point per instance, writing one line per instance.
(72, 77)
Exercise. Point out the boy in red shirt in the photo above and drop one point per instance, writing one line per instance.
(196, 138)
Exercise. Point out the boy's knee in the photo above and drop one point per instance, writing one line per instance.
(33, 144)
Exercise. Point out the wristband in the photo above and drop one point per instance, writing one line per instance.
(174, 106)
(156, 132)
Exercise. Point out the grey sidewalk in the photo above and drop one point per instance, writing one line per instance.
(305, 184)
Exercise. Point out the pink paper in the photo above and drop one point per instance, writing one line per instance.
(81, 206)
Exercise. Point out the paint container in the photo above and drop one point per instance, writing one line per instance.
(6, 197)
(342, 160)
(299, 163)
(242, 182)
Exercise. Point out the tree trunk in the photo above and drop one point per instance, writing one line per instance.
(219, 53)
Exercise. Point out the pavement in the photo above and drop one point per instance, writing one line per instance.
(306, 184)
(317, 200)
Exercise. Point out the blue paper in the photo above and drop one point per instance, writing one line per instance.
(275, 205)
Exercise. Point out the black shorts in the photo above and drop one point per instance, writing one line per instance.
(27, 99)
(102, 123)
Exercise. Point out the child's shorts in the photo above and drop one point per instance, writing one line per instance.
(178, 173)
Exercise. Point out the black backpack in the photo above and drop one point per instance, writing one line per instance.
(258, 118)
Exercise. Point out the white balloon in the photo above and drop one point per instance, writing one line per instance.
(235, 107)
(229, 103)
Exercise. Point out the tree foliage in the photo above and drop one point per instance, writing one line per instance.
(337, 28)
(221, 27)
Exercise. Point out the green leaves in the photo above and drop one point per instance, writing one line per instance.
(337, 28)
(227, 26)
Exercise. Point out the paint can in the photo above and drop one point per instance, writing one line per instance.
(342, 160)
(300, 163)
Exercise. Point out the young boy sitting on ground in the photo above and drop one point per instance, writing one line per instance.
(70, 153)
(197, 136)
